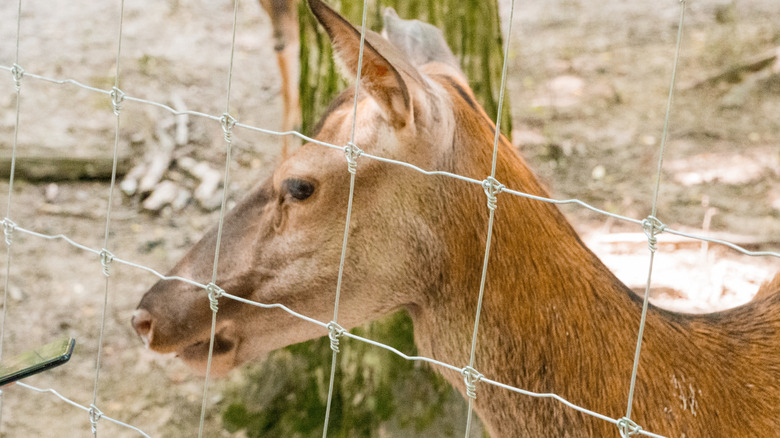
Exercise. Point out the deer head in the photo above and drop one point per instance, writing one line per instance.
(282, 243)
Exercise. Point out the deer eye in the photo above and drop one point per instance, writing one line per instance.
(298, 188)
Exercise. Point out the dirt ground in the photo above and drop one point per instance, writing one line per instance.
(588, 84)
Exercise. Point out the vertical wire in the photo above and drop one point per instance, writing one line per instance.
(352, 170)
(669, 101)
(11, 190)
(116, 100)
(352, 177)
(228, 146)
(656, 191)
(227, 124)
(502, 90)
(489, 238)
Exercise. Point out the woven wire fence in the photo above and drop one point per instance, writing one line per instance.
(651, 226)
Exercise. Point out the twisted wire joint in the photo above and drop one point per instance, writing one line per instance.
(215, 293)
(471, 377)
(105, 259)
(117, 97)
(228, 122)
(8, 229)
(334, 333)
(352, 152)
(94, 416)
(492, 188)
(652, 227)
(18, 72)
(628, 428)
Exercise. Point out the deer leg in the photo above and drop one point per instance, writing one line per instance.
(284, 21)
(287, 59)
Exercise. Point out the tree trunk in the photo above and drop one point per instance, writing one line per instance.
(472, 29)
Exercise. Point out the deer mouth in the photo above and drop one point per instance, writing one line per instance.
(223, 354)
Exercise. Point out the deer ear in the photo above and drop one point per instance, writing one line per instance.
(385, 76)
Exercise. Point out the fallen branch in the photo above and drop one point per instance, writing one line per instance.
(163, 194)
(80, 212)
(745, 241)
(209, 182)
(158, 161)
(56, 167)
(736, 73)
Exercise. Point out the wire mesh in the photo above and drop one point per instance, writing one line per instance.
(211, 291)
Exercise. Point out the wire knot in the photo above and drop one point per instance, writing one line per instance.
(215, 293)
(652, 227)
(18, 72)
(105, 259)
(352, 152)
(334, 333)
(628, 428)
(94, 416)
(117, 97)
(492, 188)
(8, 229)
(471, 377)
(228, 122)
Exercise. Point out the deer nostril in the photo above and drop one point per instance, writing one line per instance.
(142, 323)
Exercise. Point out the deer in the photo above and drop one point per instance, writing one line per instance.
(286, 37)
(554, 318)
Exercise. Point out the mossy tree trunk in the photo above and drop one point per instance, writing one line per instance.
(471, 27)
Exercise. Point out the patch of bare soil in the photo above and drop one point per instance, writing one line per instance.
(590, 86)
(588, 83)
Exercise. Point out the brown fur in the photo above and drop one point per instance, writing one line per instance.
(554, 318)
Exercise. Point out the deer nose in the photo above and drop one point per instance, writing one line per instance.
(143, 324)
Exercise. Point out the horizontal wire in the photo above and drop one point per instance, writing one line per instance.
(74, 404)
(321, 324)
(401, 354)
(407, 165)
(305, 318)
(276, 306)
(75, 244)
(725, 243)
(58, 237)
(159, 275)
(564, 401)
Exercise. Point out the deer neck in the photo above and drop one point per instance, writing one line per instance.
(542, 283)
(539, 272)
